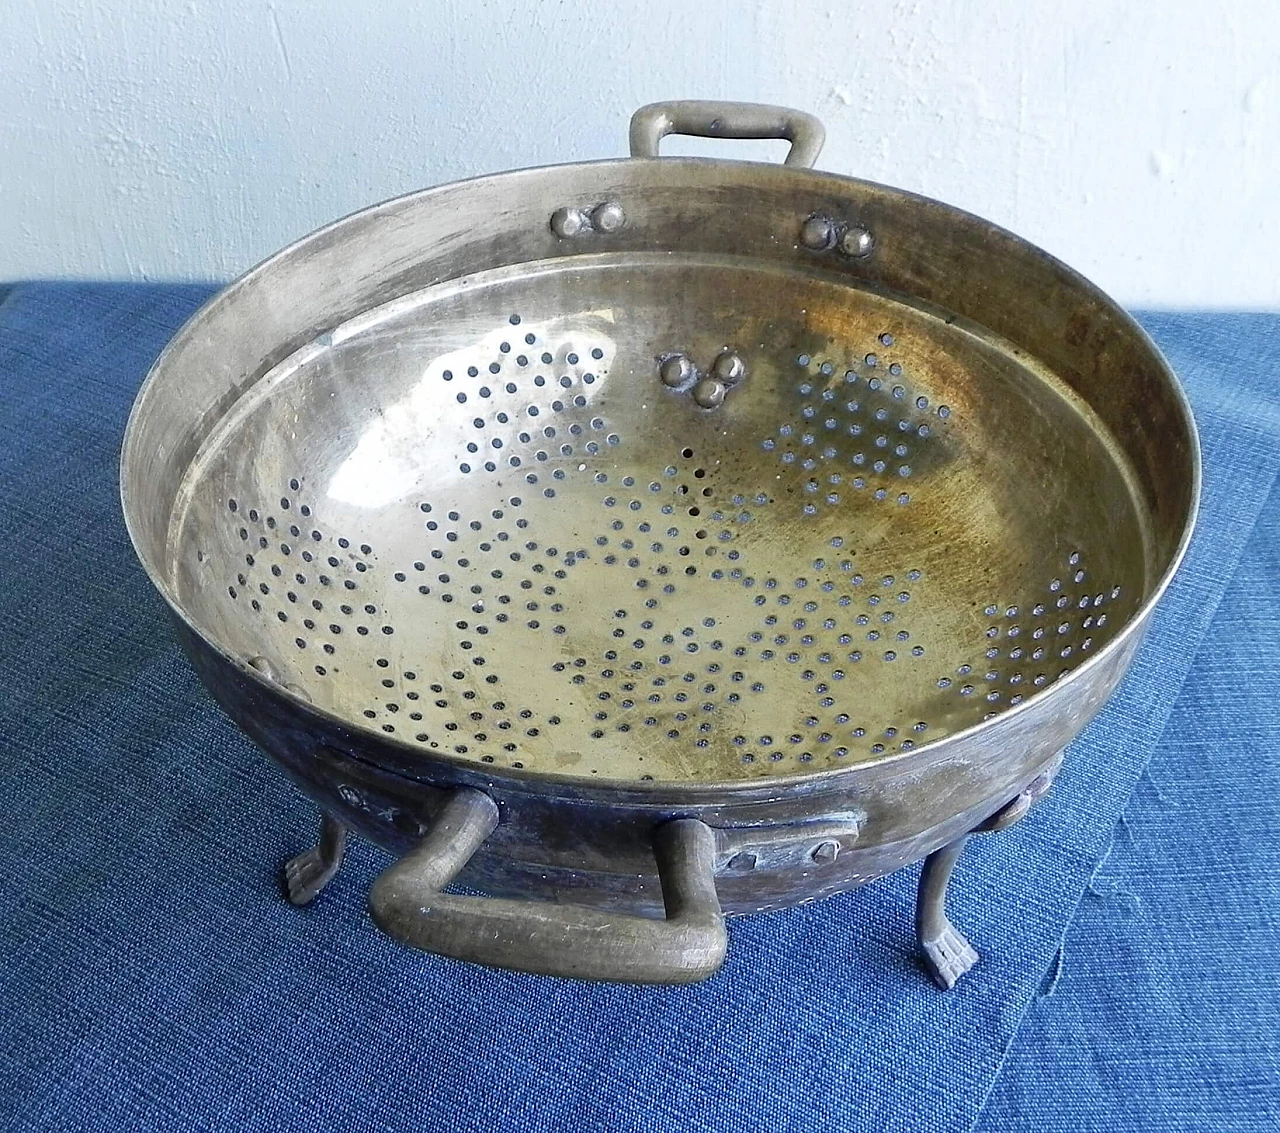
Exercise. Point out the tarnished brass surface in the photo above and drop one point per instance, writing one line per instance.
(478, 521)
(807, 513)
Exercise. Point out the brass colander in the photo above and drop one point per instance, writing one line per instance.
(663, 476)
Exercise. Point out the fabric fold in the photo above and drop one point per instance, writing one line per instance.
(1166, 1010)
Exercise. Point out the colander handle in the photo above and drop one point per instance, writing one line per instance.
(650, 124)
(553, 939)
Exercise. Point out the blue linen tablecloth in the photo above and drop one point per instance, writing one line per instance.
(152, 977)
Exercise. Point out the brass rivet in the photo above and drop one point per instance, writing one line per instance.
(567, 222)
(857, 242)
(729, 368)
(709, 393)
(818, 233)
(826, 852)
(608, 217)
(675, 371)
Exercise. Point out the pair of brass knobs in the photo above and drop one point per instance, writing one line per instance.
(822, 233)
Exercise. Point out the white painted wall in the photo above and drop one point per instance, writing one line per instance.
(148, 139)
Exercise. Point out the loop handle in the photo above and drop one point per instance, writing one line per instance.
(552, 939)
(703, 119)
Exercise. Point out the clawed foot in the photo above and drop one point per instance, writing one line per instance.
(308, 873)
(948, 956)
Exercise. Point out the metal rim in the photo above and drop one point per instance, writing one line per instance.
(536, 778)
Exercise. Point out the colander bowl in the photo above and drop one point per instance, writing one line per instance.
(643, 541)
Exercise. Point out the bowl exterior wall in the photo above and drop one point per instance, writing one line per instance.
(591, 843)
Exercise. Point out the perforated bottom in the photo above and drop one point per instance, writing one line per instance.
(477, 522)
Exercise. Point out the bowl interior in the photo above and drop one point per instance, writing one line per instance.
(475, 519)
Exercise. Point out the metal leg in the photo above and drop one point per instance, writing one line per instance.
(308, 873)
(945, 951)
